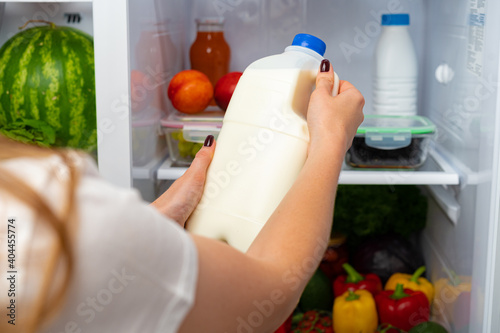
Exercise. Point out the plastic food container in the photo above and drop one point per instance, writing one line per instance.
(391, 142)
(185, 134)
(145, 136)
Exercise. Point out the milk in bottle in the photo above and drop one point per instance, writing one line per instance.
(262, 144)
(395, 69)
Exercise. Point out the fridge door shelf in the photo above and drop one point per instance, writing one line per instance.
(435, 171)
(445, 198)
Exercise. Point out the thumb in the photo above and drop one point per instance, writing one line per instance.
(203, 157)
(325, 80)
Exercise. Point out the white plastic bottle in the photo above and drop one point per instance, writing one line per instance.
(395, 69)
(262, 145)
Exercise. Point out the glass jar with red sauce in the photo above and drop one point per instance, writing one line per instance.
(210, 53)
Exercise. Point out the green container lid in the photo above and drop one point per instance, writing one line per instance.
(395, 124)
(394, 132)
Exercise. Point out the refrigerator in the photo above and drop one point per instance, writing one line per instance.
(458, 51)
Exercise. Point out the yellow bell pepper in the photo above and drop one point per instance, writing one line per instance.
(447, 293)
(448, 290)
(355, 312)
(414, 282)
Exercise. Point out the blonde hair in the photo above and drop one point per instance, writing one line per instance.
(48, 298)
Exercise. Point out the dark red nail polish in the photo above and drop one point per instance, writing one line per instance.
(209, 141)
(325, 65)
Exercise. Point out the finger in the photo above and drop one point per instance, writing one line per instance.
(345, 85)
(325, 78)
(348, 92)
(203, 157)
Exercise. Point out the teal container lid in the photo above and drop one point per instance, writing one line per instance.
(395, 124)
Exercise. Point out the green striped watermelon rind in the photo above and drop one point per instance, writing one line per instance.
(30, 131)
(47, 73)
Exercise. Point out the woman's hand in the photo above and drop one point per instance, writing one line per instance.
(333, 119)
(182, 197)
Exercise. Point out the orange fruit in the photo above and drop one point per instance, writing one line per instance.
(190, 91)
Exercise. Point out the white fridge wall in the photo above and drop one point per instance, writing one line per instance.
(448, 247)
(486, 261)
(458, 106)
(465, 110)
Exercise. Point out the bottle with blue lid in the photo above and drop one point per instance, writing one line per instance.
(262, 145)
(395, 69)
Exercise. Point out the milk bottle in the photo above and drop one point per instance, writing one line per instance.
(262, 144)
(395, 70)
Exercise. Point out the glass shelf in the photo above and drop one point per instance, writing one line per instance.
(435, 171)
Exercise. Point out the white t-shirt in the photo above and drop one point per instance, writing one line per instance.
(135, 270)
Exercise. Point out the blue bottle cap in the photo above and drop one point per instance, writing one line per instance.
(311, 42)
(396, 19)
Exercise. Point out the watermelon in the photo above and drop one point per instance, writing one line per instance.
(47, 74)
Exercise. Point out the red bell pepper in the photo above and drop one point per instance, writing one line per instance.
(354, 281)
(403, 308)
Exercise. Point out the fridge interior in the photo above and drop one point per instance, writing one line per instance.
(458, 53)
(458, 63)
